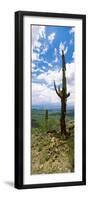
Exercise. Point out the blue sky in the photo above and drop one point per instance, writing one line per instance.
(47, 43)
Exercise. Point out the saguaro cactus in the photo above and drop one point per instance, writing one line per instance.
(62, 93)
(46, 119)
(46, 114)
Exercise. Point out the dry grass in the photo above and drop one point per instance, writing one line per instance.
(51, 152)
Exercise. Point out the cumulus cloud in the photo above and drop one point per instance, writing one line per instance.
(42, 88)
(38, 32)
(48, 78)
(42, 32)
(51, 37)
(56, 75)
(33, 65)
(34, 70)
(35, 56)
(43, 94)
(56, 55)
(46, 62)
(45, 49)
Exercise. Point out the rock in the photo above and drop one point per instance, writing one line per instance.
(41, 166)
(53, 139)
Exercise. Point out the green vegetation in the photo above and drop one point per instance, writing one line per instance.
(51, 151)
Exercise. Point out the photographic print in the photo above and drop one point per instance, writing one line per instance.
(50, 99)
(53, 99)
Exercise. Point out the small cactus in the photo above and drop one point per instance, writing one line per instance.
(46, 114)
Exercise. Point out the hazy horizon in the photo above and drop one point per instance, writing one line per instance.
(51, 106)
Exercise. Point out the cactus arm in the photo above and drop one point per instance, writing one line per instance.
(56, 90)
(68, 95)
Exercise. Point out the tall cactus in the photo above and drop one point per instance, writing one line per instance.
(62, 93)
(46, 119)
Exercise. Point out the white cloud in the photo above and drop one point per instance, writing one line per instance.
(37, 44)
(72, 30)
(35, 56)
(33, 65)
(46, 62)
(55, 51)
(37, 33)
(62, 48)
(41, 70)
(35, 70)
(70, 74)
(56, 60)
(43, 67)
(51, 37)
(56, 56)
(50, 76)
(50, 65)
(41, 94)
(45, 49)
(71, 42)
(42, 33)
(66, 49)
(73, 56)
(35, 37)
(56, 75)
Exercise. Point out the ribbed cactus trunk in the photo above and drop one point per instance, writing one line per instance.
(46, 119)
(62, 93)
(46, 114)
